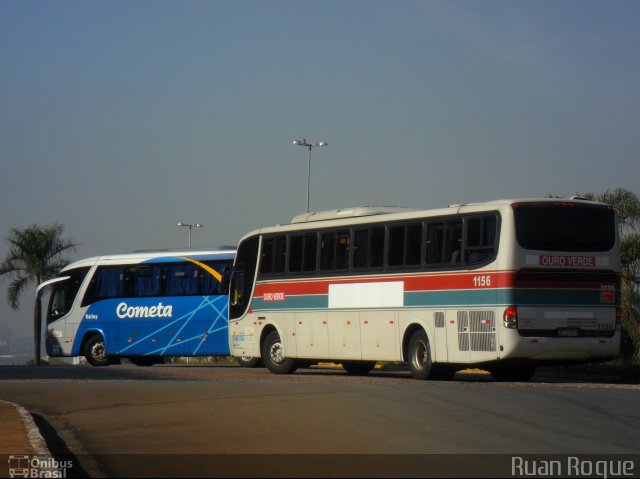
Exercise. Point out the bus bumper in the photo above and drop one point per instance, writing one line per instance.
(58, 346)
(562, 349)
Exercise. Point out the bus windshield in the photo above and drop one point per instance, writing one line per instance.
(64, 293)
(564, 226)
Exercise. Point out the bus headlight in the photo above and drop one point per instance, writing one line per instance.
(510, 318)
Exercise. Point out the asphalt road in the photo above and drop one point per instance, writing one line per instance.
(227, 421)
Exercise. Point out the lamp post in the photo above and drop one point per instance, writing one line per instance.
(190, 226)
(304, 143)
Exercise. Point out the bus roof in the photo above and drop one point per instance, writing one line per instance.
(371, 214)
(144, 255)
(355, 212)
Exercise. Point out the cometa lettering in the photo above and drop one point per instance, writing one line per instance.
(159, 311)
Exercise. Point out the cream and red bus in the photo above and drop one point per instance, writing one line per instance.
(505, 285)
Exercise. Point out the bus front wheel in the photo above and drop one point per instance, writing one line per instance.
(273, 355)
(419, 355)
(95, 351)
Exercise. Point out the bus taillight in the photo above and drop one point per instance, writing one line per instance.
(510, 317)
(618, 319)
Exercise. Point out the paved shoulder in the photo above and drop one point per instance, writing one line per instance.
(14, 438)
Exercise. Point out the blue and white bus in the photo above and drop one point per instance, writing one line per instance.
(141, 306)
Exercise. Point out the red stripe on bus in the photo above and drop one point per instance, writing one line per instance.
(430, 282)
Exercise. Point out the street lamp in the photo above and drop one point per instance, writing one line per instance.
(304, 143)
(190, 226)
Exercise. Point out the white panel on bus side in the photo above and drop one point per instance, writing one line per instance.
(290, 344)
(389, 294)
(344, 334)
(312, 336)
(379, 335)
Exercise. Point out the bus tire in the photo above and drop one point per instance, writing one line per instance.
(249, 362)
(273, 355)
(95, 351)
(358, 368)
(146, 360)
(521, 373)
(419, 355)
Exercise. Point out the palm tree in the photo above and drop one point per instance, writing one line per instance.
(35, 255)
(627, 207)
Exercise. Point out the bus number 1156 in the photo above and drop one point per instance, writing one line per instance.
(483, 281)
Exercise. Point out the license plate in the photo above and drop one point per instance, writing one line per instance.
(569, 333)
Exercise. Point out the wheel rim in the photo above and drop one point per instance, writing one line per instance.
(98, 351)
(276, 352)
(420, 355)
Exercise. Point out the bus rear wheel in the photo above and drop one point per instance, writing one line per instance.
(95, 351)
(419, 355)
(358, 368)
(273, 355)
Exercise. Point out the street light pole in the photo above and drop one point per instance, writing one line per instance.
(304, 143)
(190, 226)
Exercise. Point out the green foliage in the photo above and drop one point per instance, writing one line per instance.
(35, 255)
(627, 207)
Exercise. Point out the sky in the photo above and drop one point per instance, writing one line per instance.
(119, 119)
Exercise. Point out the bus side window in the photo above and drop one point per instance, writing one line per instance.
(109, 283)
(266, 256)
(360, 249)
(435, 243)
(327, 251)
(296, 251)
(280, 254)
(274, 255)
(182, 279)
(395, 254)
(376, 247)
(209, 284)
(481, 239)
(453, 242)
(147, 281)
(129, 281)
(414, 244)
(342, 249)
(310, 252)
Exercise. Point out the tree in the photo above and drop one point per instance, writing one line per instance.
(627, 207)
(35, 255)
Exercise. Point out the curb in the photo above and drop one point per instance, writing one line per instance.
(38, 444)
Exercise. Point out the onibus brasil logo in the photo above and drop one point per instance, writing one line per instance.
(38, 467)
